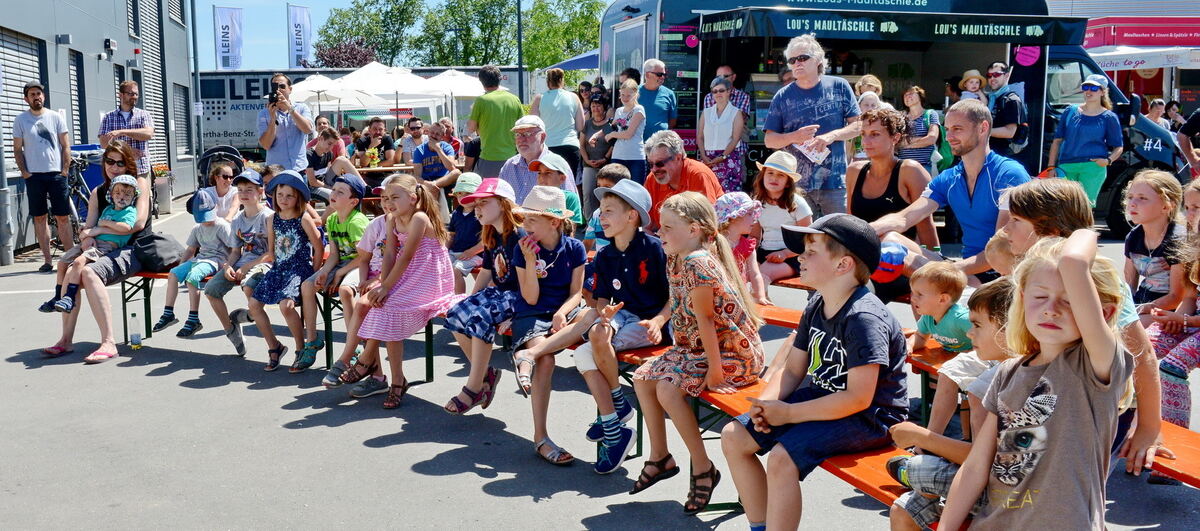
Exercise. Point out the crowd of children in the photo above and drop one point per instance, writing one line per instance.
(1049, 355)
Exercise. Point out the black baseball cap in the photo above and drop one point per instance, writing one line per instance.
(853, 233)
(33, 84)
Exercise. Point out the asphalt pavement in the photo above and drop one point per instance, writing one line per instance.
(182, 433)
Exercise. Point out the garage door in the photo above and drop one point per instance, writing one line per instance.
(19, 58)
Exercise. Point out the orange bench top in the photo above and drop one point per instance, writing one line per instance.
(781, 316)
(867, 472)
(929, 359)
(639, 356)
(156, 276)
(793, 282)
(1186, 445)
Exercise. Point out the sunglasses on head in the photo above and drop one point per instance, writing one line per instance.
(114, 162)
(1091, 88)
(995, 75)
(802, 58)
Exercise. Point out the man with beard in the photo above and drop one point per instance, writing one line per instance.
(42, 149)
(674, 173)
(971, 188)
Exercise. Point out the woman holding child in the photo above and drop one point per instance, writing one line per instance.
(118, 159)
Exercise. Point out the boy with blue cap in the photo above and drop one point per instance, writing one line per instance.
(206, 249)
(244, 266)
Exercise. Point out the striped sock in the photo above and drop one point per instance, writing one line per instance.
(612, 429)
(194, 316)
(169, 312)
(618, 398)
(758, 526)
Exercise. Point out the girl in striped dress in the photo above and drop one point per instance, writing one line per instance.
(418, 282)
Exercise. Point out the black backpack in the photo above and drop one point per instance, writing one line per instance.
(1020, 139)
(157, 252)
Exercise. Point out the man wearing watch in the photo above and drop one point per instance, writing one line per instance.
(283, 127)
(42, 149)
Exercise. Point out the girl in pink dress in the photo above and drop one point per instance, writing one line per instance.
(418, 282)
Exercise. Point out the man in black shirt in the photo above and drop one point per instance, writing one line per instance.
(384, 146)
(1187, 136)
(1007, 109)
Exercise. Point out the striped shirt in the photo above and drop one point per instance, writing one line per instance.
(920, 128)
(138, 119)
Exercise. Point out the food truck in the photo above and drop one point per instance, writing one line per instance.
(902, 42)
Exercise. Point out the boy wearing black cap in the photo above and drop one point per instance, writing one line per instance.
(844, 384)
(244, 265)
(344, 227)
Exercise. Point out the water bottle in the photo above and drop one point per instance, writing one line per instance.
(135, 339)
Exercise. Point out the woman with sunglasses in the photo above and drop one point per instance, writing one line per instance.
(111, 268)
(719, 133)
(220, 175)
(1088, 138)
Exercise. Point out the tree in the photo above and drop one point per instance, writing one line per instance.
(467, 32)
(351, 53)
(382, 26)
(559, 29)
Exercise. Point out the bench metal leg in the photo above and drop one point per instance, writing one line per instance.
(125, 289)
(327, 316)
(429, 351)
(147, 326)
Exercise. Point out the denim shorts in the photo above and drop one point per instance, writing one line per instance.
(479, 314)
(532, 326)
(218, 285)
(811, 443)
(350, 280)
(51, 187)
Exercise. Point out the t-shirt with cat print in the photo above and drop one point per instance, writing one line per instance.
(1056, 427)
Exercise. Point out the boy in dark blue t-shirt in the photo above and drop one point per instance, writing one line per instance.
(844, 384)
(631, 293)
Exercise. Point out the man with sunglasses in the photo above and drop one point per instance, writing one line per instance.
(284, 126)
(814, 114)
(529, 134)
(129, 124)
(1008, 107)
(42, 149)
(662, 108)
(672, 173)
(413, 137)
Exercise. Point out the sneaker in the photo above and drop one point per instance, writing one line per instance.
(610, 458)
(48, 306)
(333, 377)
(164, 322)
(897, 467)
(235, 336)
(64, 305)
(595, 432)
(189, 327)
(46, 268)
(240, 316)
(369, 386)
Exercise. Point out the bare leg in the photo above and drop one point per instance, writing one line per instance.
(395, 352)
(747, 470)
(348, 295)
(308, 299)
(900, 519)
(66, 233)
(193, 297)
(353, 322)
(605, 358)
(774, 271)
(785, 500)
(41, 230)
(263, 322)
(294, 323)
(101, 309)
(945, 401)
(172, 290)
(460, 283)
(655, 416)
(562, 339)
(222, 311)
(673, 402)
(479, 355)
(540, 391)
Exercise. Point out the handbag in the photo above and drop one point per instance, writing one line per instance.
(157, 252)
(942, 157)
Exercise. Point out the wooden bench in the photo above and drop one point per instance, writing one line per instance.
(1186, 445)
(794, 283)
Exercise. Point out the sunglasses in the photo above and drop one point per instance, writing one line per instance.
(112, 162)
(527, 134)
(659, 74)
(129, 93)
(1091, 88)
(995, 75)
(226, 177)
(660, 163)
(719, 91)
(802, 58)
(414, 128)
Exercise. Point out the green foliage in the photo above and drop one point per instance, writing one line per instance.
(382, 25)
(467, 32)
(560, 29)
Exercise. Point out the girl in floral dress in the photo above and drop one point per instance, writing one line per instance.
(717, 347)
(294, 247)
(418, 284)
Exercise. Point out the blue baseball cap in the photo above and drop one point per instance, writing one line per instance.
(293, 179)
(203, 207)
(250, 176)
(356, 184)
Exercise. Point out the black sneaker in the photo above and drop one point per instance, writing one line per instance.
(897, 467)
(164, 322)
(46, 268)
(48, 306)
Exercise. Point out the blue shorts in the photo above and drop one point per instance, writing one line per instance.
(478, 315)
(50, 187)
(194, 271)
(811, 443)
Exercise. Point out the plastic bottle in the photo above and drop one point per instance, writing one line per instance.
(135, 338)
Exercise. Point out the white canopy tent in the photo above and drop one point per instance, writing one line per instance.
(398, 87)
(1112, 58)
(458, 83)
(321, 90)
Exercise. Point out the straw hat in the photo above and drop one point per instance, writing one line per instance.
(781, 161)
(969, 75)
(545, 201)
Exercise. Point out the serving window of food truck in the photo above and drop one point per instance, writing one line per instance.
(901, 49)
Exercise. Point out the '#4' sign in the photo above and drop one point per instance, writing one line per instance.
(1152, 144)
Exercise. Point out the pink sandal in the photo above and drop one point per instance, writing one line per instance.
(55, 351)
(99, 357)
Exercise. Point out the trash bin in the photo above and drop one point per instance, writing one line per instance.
(164, 190)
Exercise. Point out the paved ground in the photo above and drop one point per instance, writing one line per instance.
(181, 434)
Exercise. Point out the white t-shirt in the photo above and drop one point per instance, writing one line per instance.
(774, 217)
(224, 203)
(631, 148)
(718, 129)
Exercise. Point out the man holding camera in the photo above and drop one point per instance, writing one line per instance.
(283, 127)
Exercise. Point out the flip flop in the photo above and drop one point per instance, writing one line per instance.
(55, 351)
(99, 357)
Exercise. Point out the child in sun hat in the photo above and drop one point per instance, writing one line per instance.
(972, 84)
(736, 215)
(783, 204)
(465, 247)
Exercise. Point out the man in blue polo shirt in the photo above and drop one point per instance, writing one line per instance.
(972, 188)
(662, 108)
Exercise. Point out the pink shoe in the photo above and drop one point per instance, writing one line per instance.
(55, 351)
(99, 357)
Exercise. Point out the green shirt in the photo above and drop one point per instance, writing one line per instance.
(495, 113)
(573, 206)
(951, 331)
(346, 235)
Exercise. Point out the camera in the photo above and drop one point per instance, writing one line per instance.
(273, 97)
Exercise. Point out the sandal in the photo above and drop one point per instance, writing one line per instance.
(557, 455)
(353, 375)
(275, 354)
(645, 480)
(99, 357)
(307, 356)
(524, 379)
(55, 351)
(395, 395)
(700, 495)
(460, 407)
(489, 386)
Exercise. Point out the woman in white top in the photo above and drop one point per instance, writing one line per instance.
(628, 122)
(719, 134)
(563, 115)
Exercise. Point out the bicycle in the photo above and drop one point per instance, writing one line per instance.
(78, 194)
